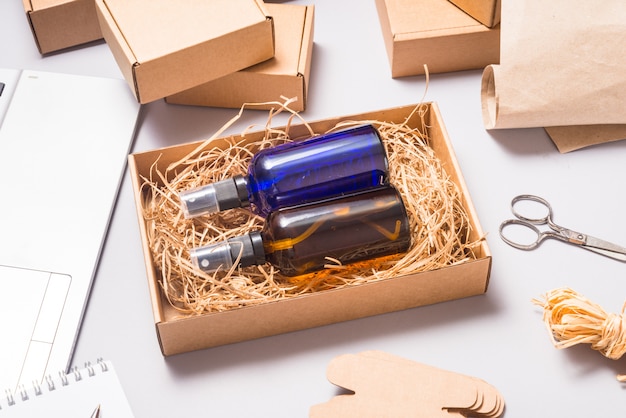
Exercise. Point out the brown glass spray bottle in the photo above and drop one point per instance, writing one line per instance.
(304, 239)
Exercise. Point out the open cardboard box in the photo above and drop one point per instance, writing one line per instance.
(178, 334)
(60, 24)
(436, 33)
(164, 47)
(286, 74)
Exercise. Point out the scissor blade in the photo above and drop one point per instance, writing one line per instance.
(605, 248)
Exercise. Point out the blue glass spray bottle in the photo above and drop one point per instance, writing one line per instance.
(304, 239)
(296, 173)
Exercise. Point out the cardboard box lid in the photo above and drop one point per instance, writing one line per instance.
(166, 46)
(152, 27)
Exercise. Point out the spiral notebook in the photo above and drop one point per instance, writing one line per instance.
(76, 394)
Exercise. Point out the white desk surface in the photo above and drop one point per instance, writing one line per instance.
(499, 336)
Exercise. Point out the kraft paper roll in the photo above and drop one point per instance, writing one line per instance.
(562, 67)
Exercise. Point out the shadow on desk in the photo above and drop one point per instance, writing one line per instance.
(297, 343)
(535, 141)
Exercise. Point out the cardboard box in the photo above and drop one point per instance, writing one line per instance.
(486, 12)
(168, 46)
(286, 74)
(179, 334)
(435, 33)
(60, 24)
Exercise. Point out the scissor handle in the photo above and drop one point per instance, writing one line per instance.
(547, 219)
(526, 224)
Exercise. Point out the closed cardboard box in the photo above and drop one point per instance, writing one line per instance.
(284, 75)
(167, 46)
(435, 33)
(60, 24)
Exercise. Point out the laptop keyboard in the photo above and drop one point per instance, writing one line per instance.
(31, 304)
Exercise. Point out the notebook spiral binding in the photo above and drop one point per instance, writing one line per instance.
(51, 383)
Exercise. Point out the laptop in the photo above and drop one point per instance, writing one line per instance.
(64, 143)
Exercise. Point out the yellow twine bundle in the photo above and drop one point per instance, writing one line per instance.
(572, 319)
(439, 222)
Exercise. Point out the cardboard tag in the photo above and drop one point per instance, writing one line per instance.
(388, 386)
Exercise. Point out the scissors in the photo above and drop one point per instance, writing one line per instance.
(96, 412)
(558, 232)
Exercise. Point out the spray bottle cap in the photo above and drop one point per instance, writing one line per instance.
(215, 197)
(247, 248)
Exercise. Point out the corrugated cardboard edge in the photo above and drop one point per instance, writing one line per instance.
(385, 26)
(306, 53)
(178, 335)
(63, 26)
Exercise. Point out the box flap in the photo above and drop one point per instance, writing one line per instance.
(486, 12)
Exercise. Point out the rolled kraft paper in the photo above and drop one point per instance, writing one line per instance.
(561, 64)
